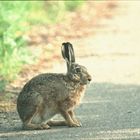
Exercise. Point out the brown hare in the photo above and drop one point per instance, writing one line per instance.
(53, 93)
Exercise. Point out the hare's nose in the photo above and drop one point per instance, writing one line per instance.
(89, 78)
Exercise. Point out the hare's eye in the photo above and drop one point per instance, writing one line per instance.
(78, 70)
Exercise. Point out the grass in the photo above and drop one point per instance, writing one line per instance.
(12, 29)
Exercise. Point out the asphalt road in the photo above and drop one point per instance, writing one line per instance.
(108, 111)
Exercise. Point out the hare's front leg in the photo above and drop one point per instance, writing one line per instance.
(69, 121)
(72, 114)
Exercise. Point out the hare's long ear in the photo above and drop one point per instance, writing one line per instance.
(71, 51)
(68, 54)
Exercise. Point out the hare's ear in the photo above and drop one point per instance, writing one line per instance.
(71, 52)
(65, 52)
(68, 54)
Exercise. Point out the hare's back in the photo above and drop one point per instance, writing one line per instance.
(47, 84)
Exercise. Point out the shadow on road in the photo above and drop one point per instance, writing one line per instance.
(107, 111)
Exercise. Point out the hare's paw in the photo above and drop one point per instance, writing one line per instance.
(32, 126)
(35, 126)
(74, 124)
(77, 122)
(45, 126)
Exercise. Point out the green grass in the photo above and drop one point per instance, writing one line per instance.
(12, 27)
(51, 12)
(56, 11)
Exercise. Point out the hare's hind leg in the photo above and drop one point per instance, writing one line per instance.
(28, 123)
(34, 119)
(56, 123)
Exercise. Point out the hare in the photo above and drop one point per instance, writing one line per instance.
(53, 93)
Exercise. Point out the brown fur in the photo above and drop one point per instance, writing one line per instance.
(49, 94)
